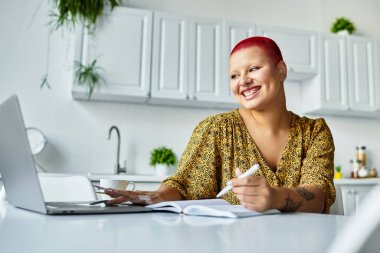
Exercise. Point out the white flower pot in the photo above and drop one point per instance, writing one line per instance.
(343, 32)
(161, 170)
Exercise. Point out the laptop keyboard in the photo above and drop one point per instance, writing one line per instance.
(67, 204)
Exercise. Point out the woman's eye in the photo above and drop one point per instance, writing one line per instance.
(253, 69)
(233, 77)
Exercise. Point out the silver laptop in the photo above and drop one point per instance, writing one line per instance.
(19, 174)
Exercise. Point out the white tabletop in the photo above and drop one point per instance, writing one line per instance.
(25, 231)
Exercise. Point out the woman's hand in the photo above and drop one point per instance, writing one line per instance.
(164, 193)
(136, 197)
(254, 192)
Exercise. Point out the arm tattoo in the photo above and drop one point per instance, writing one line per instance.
(290, 205)
(305, 193)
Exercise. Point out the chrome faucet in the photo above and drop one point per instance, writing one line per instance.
(118, 169)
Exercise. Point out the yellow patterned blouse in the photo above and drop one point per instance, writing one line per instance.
(221, 143)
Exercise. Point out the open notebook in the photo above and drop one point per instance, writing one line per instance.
(208, 207)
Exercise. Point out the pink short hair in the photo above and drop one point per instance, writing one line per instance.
(268, 45)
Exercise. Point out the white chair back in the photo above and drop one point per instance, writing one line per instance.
(67, 188)
(361, 233)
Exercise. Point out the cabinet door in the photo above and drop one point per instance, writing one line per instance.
(234, 32)
(361, 74)
(377, 74)
(352, 197)
(333, 71)
(299, 50)
(205, 59)
(170, 57)
(122, 47)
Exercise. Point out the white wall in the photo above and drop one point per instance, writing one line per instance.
(78, 131)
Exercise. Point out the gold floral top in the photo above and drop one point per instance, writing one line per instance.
(221, 143)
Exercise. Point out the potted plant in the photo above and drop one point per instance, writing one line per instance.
(343, 26)
(161, 158)
(69, 12)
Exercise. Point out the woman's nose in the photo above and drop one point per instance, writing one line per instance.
(245, 81)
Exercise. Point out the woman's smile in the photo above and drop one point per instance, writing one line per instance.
(251, 92)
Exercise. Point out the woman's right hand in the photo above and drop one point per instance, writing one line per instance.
(136, 197)
(164, 193)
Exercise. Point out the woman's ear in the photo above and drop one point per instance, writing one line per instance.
(283, 70)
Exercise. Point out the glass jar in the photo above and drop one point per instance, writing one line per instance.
(361, 155)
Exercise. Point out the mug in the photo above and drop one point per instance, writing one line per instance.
(117, 185)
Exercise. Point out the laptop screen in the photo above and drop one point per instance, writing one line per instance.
(17, 166)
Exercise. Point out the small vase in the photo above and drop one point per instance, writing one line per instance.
(161, 170)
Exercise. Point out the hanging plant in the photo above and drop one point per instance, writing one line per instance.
(69, 12)
(88, 75)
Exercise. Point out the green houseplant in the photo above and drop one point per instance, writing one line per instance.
(68, 12)
(88, 75)
(343, 24)
(161, 158)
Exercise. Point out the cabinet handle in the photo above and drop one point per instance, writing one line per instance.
(194, 97)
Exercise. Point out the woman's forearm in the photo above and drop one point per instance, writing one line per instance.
(301, 199)
(169, 193)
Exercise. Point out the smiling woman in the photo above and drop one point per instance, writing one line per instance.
(295, 153)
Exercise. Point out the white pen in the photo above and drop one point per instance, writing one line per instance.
(249, 172)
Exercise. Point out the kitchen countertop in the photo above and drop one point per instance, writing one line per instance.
(357, 181)
(129, 177)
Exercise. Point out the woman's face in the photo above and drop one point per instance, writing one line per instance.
(255, 80)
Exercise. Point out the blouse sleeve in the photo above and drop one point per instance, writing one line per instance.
(318, 165)
(195, 177)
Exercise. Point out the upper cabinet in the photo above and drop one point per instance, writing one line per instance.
(299, 49)
(122, 47)
(170, 58)
(205, 59)
(361, 76)
(163, 58)
(377, 74)
(329, 90)
(187, 64)
(346, 81)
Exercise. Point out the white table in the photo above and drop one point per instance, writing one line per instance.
(25, 231)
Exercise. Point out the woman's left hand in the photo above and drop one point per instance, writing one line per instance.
(254, 192)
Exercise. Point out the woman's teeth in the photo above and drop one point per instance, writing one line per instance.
(251, 91)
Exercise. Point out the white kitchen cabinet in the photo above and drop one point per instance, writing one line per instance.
(299, 50)
(205, 61)
(377, 74)
(184, 61)
(352, 196)
(122, 46)
(353, 191)
(328, 92)
(345, 84)
(361, 77)
(170, 58)
(187, 61)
